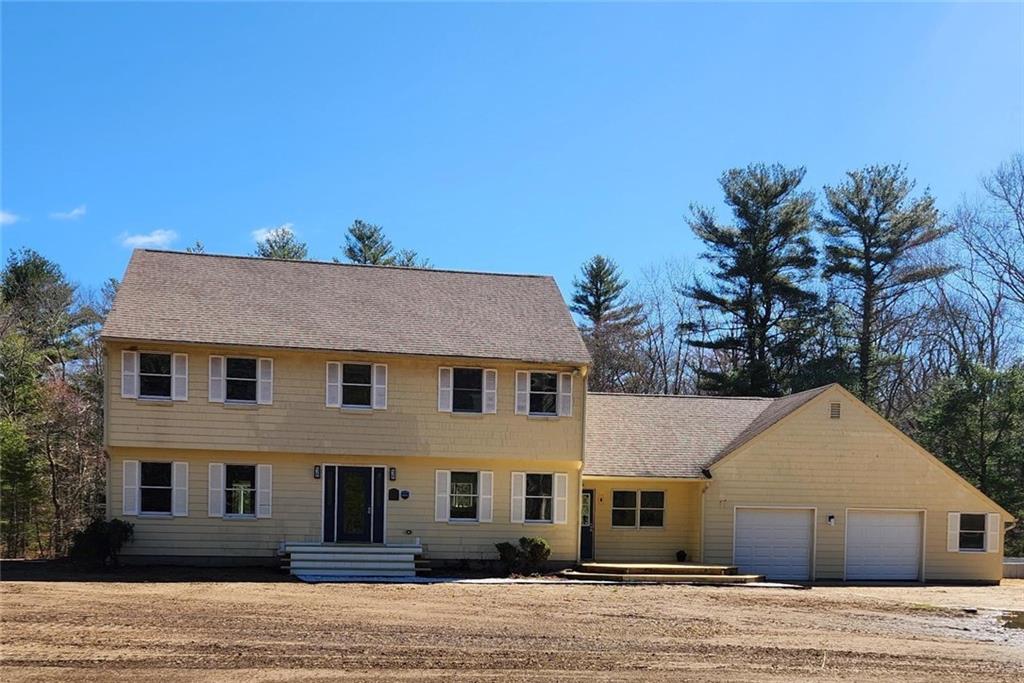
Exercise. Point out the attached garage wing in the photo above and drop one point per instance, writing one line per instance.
(883, 545)
(776, 542)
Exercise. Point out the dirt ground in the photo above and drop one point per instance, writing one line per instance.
(205, 626)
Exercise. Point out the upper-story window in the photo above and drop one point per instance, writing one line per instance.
(236, 379)
(545, 394)
(357, 385)
(467, 390)
(240, 379)
(154, 375)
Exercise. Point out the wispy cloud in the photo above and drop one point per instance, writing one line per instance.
(260, 234)
(72, 215)
(156, 238)
(8, 218)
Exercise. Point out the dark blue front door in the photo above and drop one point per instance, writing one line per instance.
(348, 504)
(587, 524)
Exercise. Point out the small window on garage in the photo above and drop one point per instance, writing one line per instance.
(972, 532)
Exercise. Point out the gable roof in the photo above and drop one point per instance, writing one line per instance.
(248, 301)
(638, 435)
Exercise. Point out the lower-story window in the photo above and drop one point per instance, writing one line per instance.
(464, 495)
(539, 498)
(638, 509)
(155, 487)
(240, 490)
(972, 532)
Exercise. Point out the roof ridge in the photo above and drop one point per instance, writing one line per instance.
(702, 396)
(347, 265)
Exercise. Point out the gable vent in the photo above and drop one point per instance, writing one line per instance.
(833, 410)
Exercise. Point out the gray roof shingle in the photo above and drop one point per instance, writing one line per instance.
(247, 301)
(636, 435)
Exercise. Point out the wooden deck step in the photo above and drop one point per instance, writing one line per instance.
(323, 560)
(711, 579)
(668, 568)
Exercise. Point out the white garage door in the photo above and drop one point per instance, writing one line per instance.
(774, 542)
(883, 545)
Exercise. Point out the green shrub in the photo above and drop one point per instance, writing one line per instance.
(526, 558)
(97, 545)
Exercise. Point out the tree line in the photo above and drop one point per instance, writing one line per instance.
(866, 284)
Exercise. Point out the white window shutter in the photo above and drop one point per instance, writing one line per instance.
(129, 374)
(380, 386)
(444, 390)
(216, 489)
(442, 488)
(561, 491)
(179, 377)
(565, 394)
(518, 512)
(333, 384)
(953, 532)
(216, 379)
(993, 530)
(265, 374)
(486, 510)
(130, 488)
(179, 489)
(490, 391)
(264, 490)
(522, 392)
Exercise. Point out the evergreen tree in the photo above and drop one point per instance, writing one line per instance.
(874, 233)
(196, 248)
(366, 244)
(611, 330)
(757, 293)
(281, 243)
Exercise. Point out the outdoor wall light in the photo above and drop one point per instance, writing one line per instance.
(392, 473)
(316, 471)
(831, 520)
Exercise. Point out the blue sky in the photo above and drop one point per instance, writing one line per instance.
(518, 138)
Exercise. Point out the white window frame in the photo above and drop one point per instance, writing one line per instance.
(169, 487)
(551, 497)
(638, 507)
(342, 384)
(961, 531)
(169, 375)
(475, 496)
(530, 392)
(483, 390)
(255, 381)
(255, 491)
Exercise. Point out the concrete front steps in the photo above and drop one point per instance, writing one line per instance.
(676, 572)
(325, 561)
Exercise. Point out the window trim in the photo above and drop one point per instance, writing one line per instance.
(526, 497)
(255, 381)
(170, 487)
(255, 492)
(530, 392)
(454, 368)
(638, 508)
(476, 498)
(342, 384)
(960, 532)
(170, 376)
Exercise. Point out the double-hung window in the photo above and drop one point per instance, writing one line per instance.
(240, 490)
(240, 380)
(155, 375)
(543, 393)
(464, 497)
(539, 498)
(467, 390)
(972, 532)
(356, 385)
(638, 509)
(155, 488)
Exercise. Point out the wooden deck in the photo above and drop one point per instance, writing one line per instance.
(648, 572)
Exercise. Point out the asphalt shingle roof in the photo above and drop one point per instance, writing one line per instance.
(246, 301)
(631, 435)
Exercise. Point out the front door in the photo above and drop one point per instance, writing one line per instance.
(587, 524)
(348, 504)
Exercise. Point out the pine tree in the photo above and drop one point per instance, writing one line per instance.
(611, 330)
(281, 243)
(757, 286)
(366, 244)
(874, 233)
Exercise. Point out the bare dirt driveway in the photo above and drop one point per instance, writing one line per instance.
(258, 626)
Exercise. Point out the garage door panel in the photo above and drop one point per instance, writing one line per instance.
(775, 542)
(883, 545)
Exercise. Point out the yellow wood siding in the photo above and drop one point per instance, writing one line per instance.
(681, 530)
(299, 422)
(855, 461)
(297, 507)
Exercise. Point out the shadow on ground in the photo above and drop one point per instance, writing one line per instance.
(63, 570)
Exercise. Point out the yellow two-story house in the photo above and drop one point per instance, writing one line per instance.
(256, 404)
